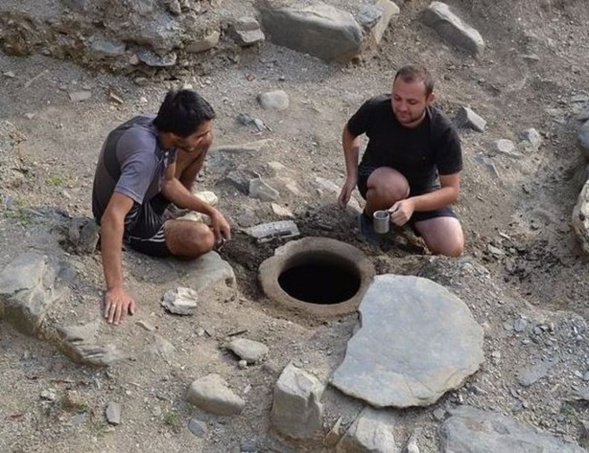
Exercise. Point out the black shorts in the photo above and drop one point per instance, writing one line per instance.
(364, 173)
(144, 227)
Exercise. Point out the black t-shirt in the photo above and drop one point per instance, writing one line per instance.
(420, 153)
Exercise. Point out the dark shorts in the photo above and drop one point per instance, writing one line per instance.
(144, 227)
(364, 173)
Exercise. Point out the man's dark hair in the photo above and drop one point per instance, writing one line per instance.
(412, 73)
(183, 112)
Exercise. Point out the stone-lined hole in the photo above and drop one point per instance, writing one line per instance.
(320, 279)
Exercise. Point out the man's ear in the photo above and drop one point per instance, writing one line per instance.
(431, 98)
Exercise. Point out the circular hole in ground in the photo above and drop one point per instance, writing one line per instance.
(320, 281)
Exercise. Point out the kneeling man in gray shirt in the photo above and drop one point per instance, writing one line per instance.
(146, 164)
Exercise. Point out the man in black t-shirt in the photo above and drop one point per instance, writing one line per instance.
(412, 163)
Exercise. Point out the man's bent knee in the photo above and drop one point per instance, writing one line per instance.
(188, 239)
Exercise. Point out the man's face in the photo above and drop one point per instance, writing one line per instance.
(200, 139)
(409, 102)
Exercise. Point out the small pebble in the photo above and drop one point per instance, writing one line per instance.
(242, 364)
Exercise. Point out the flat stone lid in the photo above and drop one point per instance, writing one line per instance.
(417, 341)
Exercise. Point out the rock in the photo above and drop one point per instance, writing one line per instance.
(27, 290)
(246, 32)
(416, 341)
(532, 138)
(107, 49)
(211, 394)
(296, 410)
(248, 350)
(281, 211)
(258, 188)
(181, 301)
(174, 7)
(583, 115)
(520, 325)
(9, 74)
(504, 146)
(78, 96)
(283, 229)
(208, 197)
(580, 218)
(207, 42)
(465, 117)
(113, 413)
(163, 348)
(372, 431)
(251, 147)
(488, 163)
(145, 325)
(377, 18)
(196, 427)
(155, 60)
(48, 395)
(533, 374)
(450, 27)
(473, 430)
(583, 139)
(274, 100)
(318, 29)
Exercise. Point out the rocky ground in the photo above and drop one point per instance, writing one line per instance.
(524, 275)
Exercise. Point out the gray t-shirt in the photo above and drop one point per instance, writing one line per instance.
(132, 162)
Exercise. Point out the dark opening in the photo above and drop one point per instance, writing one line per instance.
(320, 282)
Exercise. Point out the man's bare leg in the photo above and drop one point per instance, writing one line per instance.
(386, 186)
(442, 235)
(187, 239)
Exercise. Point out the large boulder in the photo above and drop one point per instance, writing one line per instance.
(319, 30)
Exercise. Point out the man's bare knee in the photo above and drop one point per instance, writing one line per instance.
(188, 239)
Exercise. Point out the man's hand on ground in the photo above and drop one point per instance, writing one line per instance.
(220, 226)
(346, 192)
(117, 304)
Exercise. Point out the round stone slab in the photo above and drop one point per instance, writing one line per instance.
(417, 341)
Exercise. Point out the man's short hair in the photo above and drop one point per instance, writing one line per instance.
(183, 112)
(413, 73)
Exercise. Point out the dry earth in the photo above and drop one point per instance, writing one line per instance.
(523, 208)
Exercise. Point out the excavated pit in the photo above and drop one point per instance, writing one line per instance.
(318, 276)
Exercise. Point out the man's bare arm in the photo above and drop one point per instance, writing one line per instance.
(351, 147)
(447, 194)
(117, 303)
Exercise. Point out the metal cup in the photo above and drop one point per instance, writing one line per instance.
(381, 222)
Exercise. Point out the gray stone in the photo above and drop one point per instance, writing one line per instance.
(207, 42)
(504, 146)
(465, 117)
(196, 427)
(248, 350)
(274, 100)
(27, 290)
(210, 271)
(377, 18)
(103, 48)
(282, 229)
(416, 341)
(580, 218)
(473, 430)
(371, 432)
(79, 96)
(151, 58)
(319, 30)
(583, 139)
(258, 188)
(246, 31)
(520, 324)
(488, 163)
(583, 115)
(251, 147)
(163, 348)
(533, 374)
(451, 27)
(180, 301)
(533, 138)
(211, 394)
(113, 413)
(296, 410)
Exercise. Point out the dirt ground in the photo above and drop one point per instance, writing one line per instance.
(537, 59)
